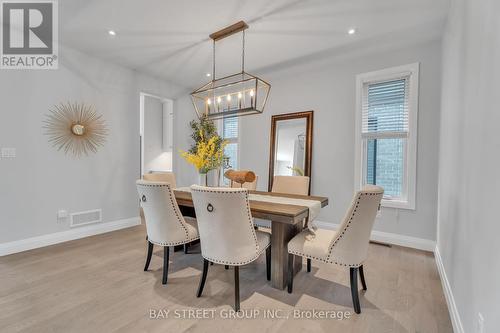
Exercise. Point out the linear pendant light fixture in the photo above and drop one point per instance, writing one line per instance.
(235, 95)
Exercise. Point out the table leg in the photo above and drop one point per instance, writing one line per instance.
(281, 233)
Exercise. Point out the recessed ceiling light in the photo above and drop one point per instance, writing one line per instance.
(351, 31)
(112, 33)
(208, 74)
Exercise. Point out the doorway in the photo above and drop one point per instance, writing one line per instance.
(156, 133)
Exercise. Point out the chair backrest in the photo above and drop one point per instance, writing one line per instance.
(291, 185)
(164, 222)
(227, 234)
(350, 246)
(251, 186)
(168, 177)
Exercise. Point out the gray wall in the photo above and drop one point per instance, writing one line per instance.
(468, 222)
(327, 86)
(41, 180)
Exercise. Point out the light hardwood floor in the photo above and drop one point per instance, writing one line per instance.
(97, 285)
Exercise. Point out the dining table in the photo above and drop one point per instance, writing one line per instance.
(287, 220)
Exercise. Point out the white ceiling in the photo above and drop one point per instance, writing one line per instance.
(169, 39)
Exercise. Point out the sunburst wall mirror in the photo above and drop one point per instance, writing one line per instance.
(75, 128)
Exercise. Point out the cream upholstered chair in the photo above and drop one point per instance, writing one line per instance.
(168, 177)
(291, 185)
(347, 246)
(287, 185)
(252, 186)
(165, 224)
(227, 235)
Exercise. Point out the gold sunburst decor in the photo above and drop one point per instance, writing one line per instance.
(76, 128)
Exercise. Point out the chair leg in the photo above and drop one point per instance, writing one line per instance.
(236, 288)
(308, 265)
(268, 263)
(186, 248)
(165, 264)
(226, 266)
(354, 289)
(148, 258)
(362, 277)
(290, 272)
(203, 278)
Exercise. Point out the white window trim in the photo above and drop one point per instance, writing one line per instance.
(411, 153)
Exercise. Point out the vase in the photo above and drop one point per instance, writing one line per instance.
(202, 179)
(216, 177)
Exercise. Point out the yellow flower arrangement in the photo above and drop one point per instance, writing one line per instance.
(209, 154)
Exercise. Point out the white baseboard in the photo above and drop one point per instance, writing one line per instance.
(448, 294)
(390, 238)
(67, 235)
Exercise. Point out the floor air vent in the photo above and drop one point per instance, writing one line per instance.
(88, 217)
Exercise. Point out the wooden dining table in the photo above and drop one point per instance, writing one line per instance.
(286, 222)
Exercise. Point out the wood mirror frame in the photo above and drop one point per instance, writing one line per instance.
(309, 116)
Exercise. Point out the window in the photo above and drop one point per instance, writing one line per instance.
(386, 133)
(230, 131)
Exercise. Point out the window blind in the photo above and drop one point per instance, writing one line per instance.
(385, 109)
(230, 128)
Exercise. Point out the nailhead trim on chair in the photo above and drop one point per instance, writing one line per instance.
(237, 263)
(258, 251)
(335, 241)
(178, 214)
(172, 244)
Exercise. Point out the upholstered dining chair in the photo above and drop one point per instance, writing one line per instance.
(291, 185)
(251, 186)
(227, 235)
(348, 246)
(168, 177)
(165, 224)
(287, 185)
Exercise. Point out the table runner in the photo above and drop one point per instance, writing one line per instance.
(313, 205)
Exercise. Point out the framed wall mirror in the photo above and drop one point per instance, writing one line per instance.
(291, 145)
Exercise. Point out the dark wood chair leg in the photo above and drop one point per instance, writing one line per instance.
(150, 254)
(236, 288)
(203, 278)
(268, 263)
(354, 289)
(308, 265)
(165, 264)
(226, 266)
(290, 272)
(186, 248)
(362, 277)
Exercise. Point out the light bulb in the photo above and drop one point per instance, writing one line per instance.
(240, 95)
(351, 31)
(251, 92)
(209, 101)
(228, 97)
(219, 99)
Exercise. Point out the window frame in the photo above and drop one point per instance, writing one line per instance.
(410, 150)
